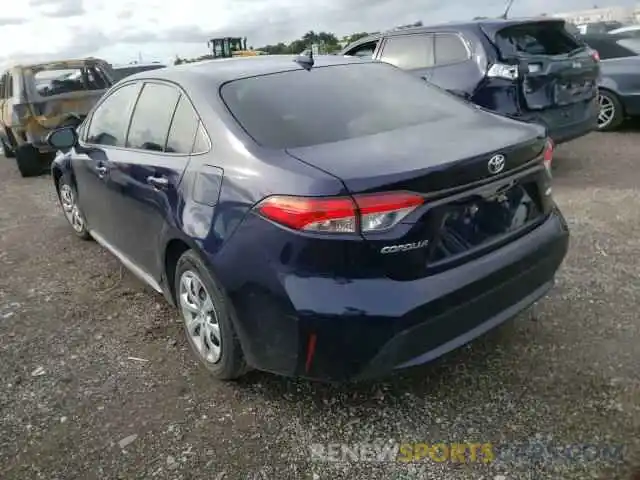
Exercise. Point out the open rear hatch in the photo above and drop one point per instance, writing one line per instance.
(554, 69)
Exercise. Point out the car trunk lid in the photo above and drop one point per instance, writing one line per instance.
(428, 158)
(467, 209)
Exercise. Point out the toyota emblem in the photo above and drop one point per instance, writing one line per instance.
(496, 164)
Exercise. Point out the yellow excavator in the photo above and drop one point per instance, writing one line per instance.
(227, 47)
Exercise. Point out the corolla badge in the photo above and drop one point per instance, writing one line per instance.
(496, 164)
(405, 247)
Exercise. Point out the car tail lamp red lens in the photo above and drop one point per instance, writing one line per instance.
(366, 213)
(547, 155)
(595, 55)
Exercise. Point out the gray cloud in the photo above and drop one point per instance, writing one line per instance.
(6, 22)
(124, 15)
(271, 24)
(61, 8)
(272, 21)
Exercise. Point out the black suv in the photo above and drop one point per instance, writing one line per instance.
(531, 70)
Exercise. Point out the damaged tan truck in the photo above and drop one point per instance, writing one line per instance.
(38, 98)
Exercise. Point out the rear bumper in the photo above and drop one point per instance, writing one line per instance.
(567, 123)
(337, 330)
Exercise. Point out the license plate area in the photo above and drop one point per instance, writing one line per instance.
(571, 91)
(479, 220)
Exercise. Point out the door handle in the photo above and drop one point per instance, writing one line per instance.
(158, 182)
(102, 171)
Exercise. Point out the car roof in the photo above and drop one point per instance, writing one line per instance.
(628, 28)
(133, 65)
(488, 23)
(604, 37)
(219, 71)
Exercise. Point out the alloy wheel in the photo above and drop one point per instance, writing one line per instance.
(607, 111)
(200, 317)
(70, 208)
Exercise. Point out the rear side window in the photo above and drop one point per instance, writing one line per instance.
(449, 48)
(6, 85)
(56, 81)
(111, 118)
(183, 128)
(366, 50)
(630, 45)
(152, 117)
(543, 38)
(409, 51)
(329, 104)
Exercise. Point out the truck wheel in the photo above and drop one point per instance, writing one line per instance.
(29, 161)
(8, 151)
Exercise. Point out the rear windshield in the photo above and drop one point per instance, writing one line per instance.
(544, 38)
(52, 81)
(609, 47)
(631, 44)
(327, 104)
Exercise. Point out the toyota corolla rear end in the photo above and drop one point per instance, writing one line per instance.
(444, 226)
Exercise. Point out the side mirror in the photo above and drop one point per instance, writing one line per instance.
(63, 138)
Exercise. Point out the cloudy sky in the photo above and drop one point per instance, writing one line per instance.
(121, 30)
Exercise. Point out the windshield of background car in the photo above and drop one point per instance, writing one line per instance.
(55, 81)
(301, 108)
(536, 38)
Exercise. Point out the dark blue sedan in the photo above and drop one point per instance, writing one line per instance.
(332, 219)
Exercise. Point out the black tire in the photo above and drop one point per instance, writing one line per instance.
(617, 116)
(231, 364)
(31, 162)
(9, 152)
(65, 186)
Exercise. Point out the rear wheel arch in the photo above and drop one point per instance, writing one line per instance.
(173, 250)
(172, 253)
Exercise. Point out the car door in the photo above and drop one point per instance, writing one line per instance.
(455, 70)
(102, 142)
(144, 181)
(413, 52)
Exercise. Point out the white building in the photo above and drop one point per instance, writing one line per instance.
(612, 14)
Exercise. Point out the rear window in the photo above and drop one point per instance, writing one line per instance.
(329, 104)
(53, 81)
(544, 38)
(632, 45)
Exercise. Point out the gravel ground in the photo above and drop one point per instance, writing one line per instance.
(75, 405)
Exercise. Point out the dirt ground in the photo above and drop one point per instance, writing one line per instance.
(97, 381)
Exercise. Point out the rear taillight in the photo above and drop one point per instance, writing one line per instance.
(360, 213)
(595, 55)
(500, 70)
(547, 155)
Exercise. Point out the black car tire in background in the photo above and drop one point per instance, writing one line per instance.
(7, 150)
(611, 113)
(29, 160)
(230, 364)
(68, 197)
